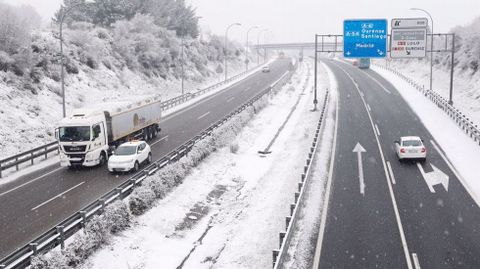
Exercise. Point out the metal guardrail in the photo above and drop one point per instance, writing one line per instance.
(31, 155)
(285, 238)
(57, 235)
(468, 126)
(26, 156)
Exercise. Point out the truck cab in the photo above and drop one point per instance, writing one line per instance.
(83, 139)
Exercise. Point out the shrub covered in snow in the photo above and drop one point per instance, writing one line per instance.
(97, 232)
(141, 200)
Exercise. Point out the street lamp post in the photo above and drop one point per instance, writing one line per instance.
(258, 44)
(431, 45)
(62, 61)
(247, 47)
(265, 41)
(226, 47)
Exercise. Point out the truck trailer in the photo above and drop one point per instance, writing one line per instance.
(89, 135)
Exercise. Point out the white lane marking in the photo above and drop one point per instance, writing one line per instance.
(160, 140)
(247, 89)
(58, 196)
(31, 181)
(369, 109)
(204, 115)
(390, 188)
(378, 82)
(378, 130)
(209, 97)
(415, 261)
(392, 176)
(230, 99)
(455, 172)
(323, 220)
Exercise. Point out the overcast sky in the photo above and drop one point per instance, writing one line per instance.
(299, 20)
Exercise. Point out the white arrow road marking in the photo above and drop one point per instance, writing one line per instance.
(434, 178)
(230, 99)
(359, 150)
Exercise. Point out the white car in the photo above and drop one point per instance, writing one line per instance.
(410, 147)
(266, 69)
(129, 156)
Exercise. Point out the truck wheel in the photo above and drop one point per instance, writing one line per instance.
(136, 166)
(102, 160)
(150, 133)
(154, 132)
(145, 134)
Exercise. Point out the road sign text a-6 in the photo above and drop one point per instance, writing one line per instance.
(365, 38)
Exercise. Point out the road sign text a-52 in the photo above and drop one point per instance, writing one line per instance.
(365, 38)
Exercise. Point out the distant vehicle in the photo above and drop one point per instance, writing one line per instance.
(355, 63)
(129, 156)
(364, 63)
(281, 55)
(410, 147)
(88, 136)
(266, 69)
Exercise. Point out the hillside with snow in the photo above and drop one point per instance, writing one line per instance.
(129, 58)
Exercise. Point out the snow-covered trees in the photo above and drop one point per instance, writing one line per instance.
(173, 15)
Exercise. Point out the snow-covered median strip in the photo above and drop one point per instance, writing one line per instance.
(460, 149)
(192, 198)
(303, 243)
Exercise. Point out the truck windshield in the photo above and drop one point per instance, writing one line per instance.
(126, 150)
(74, 133)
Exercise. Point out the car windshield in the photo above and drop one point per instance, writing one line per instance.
(412, 143)
(126, 150)
(74, 134)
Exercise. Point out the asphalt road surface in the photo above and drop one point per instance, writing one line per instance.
(398, 214)
(38, 201)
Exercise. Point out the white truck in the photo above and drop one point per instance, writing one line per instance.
(88, 136)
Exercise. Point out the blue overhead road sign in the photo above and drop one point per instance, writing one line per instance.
(365, 38)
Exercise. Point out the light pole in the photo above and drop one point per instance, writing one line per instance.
(247, 47)
(182, 60)
(226, 47)
(431, 46)
(265, 41)
(258, 44)
(62, 19)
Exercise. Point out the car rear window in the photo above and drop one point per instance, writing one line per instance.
(126, 150)
(412, 143)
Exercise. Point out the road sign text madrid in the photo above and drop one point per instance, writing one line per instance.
(365, 38)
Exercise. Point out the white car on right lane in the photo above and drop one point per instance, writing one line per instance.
(410, 147)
